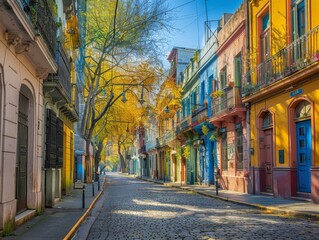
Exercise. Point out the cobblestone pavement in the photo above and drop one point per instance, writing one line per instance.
(134, 209)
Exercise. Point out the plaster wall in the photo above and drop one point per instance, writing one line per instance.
(18, 75)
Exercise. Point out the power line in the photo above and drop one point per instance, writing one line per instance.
(182, 5)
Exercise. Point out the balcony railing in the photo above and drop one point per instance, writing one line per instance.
(142, 149)
(296, 56)
(42, 19)
(169, 135)
(150, 145)
(60, 81)
(225, 102)
(184, 124)
(199, 115)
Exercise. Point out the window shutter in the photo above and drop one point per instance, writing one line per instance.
(238, 70)
(222, 79)
(50, 161)
(59, 146)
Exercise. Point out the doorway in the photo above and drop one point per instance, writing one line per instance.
(22, 154)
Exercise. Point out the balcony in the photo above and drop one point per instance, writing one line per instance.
(58, 85)
(199, 115)
(142, 150)
(227, 105)
(71, 111)
(297, 56)
(31, 29)
(151, 144)
(42, 19)
(184, 125)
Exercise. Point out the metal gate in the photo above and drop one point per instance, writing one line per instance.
(22, 155)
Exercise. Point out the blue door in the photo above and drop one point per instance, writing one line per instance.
(304, 158)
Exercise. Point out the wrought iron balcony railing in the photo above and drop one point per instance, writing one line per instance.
(60, 81)
(223, 103)
(199, 115)
(184, 124)
(299, 54)
(41, 17)
(142, 149)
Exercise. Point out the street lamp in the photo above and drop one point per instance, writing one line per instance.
(124, 100)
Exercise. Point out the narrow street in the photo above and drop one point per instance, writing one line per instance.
(134, 209)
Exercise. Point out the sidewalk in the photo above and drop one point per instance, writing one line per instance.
(270, 204)
(61, 221)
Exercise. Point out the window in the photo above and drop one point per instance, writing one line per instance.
(183, 108)
(224, 152)
(265, 38)
(298, 15)
(238, 70)
(267, 121)
(210, 85)
(239, 146)
(302, 111)
(222, 78)
(202, 92)
(298, 19)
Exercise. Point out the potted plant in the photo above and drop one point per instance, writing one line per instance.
(216, 135)
(217, 93)
(205, 129)
(231, 84)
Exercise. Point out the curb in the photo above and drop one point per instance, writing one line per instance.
(269, 210)
(82, 218)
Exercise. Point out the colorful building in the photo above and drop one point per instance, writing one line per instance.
(150, 138)
(28, 53)
(171, 165)
(281, 88)
(61, 108)
(228, 111)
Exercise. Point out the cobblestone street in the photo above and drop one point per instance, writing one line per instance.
(134, 209)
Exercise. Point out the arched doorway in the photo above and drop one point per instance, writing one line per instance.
(22, 154)
(25, 149)
(302, 119)
(266, 152)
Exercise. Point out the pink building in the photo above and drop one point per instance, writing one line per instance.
(228, 112)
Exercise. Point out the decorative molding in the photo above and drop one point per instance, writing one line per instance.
(42, 73)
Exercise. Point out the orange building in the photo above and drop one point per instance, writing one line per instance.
(282, 89)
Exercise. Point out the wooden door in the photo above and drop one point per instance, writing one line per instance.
(22, 155)
(268, 159)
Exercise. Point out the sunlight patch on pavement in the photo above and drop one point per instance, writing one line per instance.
(149, 214)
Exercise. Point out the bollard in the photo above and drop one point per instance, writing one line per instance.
(93, 188)
(83, 197)
(216, 187)
(98, 182)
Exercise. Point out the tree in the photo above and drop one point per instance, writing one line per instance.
(119, 35)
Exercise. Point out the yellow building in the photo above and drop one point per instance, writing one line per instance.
(282, 90)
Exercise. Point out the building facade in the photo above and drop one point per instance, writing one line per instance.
(281, 88)
(228, 111)
(28, 55)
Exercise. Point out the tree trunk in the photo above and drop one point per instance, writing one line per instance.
(88, 165)
(97, 158)
(122, 161)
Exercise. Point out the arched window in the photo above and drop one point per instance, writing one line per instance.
(302, 111)
(267, 121)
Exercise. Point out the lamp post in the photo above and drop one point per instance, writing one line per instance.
(217, 176)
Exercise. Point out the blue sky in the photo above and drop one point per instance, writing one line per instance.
(189, 17)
